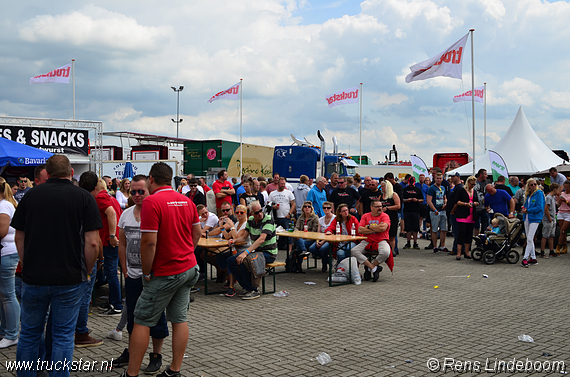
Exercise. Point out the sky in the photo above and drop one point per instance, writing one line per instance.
(290, 55)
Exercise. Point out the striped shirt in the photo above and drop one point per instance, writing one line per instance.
(266, 226)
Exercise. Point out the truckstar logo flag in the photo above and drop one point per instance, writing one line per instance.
(498, 166)
(418, 167)
(479, 92)
(230, 93)
(342, 97)
(59, 75)
(447, 64)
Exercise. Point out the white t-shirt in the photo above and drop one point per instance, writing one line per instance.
(242, 248)
(265, 196)
(122, 199)
(186, 188)
(322, 222)
(8, 243)
(283, 198)
(212, 222)
(132, 229)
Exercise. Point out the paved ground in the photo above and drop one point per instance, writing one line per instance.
(389, 328)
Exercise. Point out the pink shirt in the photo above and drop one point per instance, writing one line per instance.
(468, 219)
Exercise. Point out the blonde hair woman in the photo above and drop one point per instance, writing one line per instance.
(563, 201)
(533, 210)
(123, 193)
(9, 306)
(391, 205)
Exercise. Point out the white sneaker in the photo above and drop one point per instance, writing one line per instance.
(5, 343)
(115, 335)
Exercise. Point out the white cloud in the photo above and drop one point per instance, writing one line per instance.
(95, 26)
(518, 91)
(560, 100)
(385, 99)
(493, 8)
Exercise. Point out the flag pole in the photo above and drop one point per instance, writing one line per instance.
(473, 96)
(73, 79)
(240, 128)
(360, 151)
(485, 113)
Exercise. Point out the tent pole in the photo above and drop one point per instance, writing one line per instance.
(360, 150)
(473, 96)
(485, 113)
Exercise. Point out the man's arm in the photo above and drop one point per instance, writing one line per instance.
(19, 239)
(252, 248)
(148, 249)
(511, 207)
(112, 220)
(91, 249)
(374, 228)
(430, 203)
(196, 233)
(123, 251)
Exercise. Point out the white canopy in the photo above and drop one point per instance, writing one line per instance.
(521, 148)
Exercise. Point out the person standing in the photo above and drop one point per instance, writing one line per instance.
(66, 246)
(170, 231)
(368, 195)
(130, 257)
(301, 193)
(317, 195)
(482, 221)
(533, 210)
(563, 218)
(343, 194)
(223, 190)
(391, 205)
(194, 194)
(413, 198)
(9, 305)
(284, 205)
(332, 185)
(437, 201)
(23, 187)
(465, 199)
(549, 221)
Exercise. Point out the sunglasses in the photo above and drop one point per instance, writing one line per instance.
(23, 180)
(258, 212)
(240, 212)
(226, 210)
(140, 192)
(193, 185)
(307, 206)
(327, 207)
(204, 214)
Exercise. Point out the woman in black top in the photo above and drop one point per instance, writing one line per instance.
(391, 205)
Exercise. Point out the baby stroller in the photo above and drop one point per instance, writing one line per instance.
(491, 246)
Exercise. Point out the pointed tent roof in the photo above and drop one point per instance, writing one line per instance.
(521, 148)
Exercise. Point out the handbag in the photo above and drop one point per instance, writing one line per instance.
(256, 264)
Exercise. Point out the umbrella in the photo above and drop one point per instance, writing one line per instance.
(563, 169)
(15, 154)
(128, 172)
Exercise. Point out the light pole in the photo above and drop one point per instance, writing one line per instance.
(178, 120)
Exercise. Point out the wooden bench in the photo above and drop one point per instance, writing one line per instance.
(270, 268)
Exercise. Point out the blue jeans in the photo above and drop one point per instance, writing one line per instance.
(9, 306)
(65, 302)
(242, 275)
(81, 326)
(322, 253)
(455, 230)
(110, 265)
(341, 253)
(302, 244)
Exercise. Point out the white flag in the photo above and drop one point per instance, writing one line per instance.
(342, 97)
(59, 75)
(479, 92)
(418, 167)
(498, 166)
(230, 93)
(447, 64)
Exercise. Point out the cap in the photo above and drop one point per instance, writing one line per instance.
(457, 174)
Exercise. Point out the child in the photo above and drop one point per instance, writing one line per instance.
(549, 221)
(495, 226)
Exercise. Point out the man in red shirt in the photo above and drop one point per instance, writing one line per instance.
(170, 230)
(375, 226)
(223, 190)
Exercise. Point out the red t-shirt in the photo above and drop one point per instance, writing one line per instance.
(206, 188)
(217, 187)
(171, 215)
(367, 219)
(271, 187)
(104, 201)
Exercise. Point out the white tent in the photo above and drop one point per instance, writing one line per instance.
(521, 148)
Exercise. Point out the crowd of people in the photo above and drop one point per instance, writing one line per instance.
(102, 224)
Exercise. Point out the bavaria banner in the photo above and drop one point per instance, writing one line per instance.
(498, 166)
(230, 93)
(418, 167)
(447, 64)
(59, 75)
(342, 97)
(479, 93)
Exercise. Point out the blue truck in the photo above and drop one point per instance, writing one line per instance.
(292, 161)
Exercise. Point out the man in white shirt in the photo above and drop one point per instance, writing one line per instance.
(208, 220)
(284, 205)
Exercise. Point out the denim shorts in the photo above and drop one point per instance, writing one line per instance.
(438, 221)
(166, 292)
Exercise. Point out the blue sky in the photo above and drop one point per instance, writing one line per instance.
(291, 54)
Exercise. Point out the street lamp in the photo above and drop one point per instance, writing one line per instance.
(178, 120)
